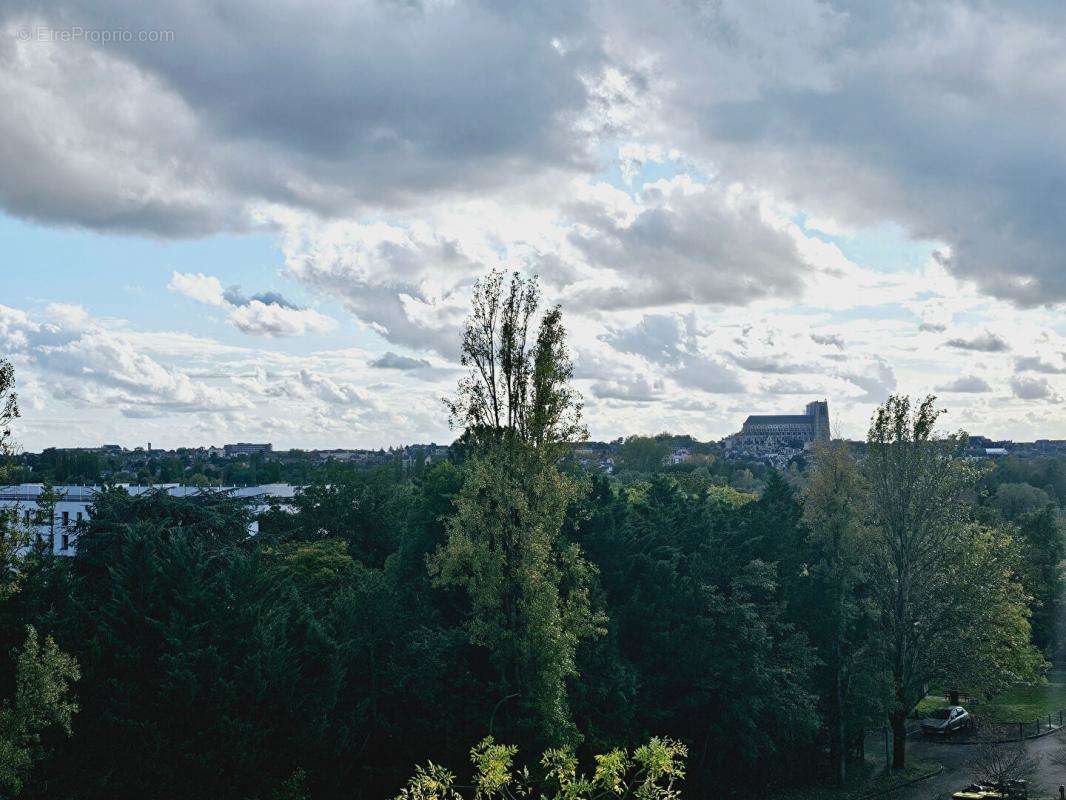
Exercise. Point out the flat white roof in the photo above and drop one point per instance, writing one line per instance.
(29, 492)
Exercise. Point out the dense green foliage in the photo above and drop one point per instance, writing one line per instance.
(380, 624)
(221, 665)
(37, 682)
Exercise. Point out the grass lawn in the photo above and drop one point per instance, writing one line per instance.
(864, 779)
(927, 704)
(1023, 703)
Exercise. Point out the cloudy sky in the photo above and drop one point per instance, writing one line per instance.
(221, 224)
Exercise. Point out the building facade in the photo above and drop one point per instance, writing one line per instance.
(783, 431)
(21, 503)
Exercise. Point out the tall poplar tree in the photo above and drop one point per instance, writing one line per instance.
(527, 587)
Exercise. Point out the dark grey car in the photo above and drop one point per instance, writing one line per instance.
(943, 721)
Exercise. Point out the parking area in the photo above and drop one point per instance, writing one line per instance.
(957, 773)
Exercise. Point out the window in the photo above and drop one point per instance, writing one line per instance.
(64, 544)
(26, 516)
(79, 516)
(66, 518)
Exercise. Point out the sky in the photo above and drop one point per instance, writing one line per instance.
(223, 222)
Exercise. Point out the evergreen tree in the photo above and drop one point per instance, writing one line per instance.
(835, 609)
(1042, 538)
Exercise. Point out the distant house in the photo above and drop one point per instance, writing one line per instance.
(246, 449)
(680, 455)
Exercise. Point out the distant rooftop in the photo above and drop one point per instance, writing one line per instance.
(29, 492)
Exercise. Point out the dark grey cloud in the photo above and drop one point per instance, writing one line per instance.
(235, 297)
(391, 360)
(828, 339)
(635, 389)
(777, 364)
(986, 342)
(707, 375)
(967, 384)
(877, 384)
(700, 248)
(324, 106)
(1037, 364)
(932, 327)
(669, 341)
(1031, 388)
(660, 338)
(937, 116)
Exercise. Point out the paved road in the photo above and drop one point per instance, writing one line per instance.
(957, 774)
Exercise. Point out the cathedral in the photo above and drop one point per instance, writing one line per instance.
(784, 430)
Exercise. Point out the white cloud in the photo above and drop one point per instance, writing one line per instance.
(877, 383)
(263, 314)
(268, 319)
(702, 189)
(632, 390)
(83, 361)
(87, 380)
(199, 287)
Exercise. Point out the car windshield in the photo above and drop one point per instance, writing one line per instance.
(941, 713)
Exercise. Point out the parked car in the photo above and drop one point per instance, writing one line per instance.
(943, 721)
(1010, 790)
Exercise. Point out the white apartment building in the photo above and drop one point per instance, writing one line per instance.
(19, 502)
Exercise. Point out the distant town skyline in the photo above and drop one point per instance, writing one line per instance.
(738, 210)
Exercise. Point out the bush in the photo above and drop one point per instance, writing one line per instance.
(651, 772)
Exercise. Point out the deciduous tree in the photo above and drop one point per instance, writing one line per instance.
(950, 606)
(527, 587)
(9, 409)
(519, 385)
(44, 680)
